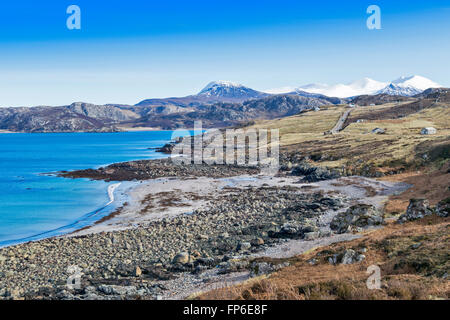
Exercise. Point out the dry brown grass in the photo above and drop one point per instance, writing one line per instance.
(433, 185)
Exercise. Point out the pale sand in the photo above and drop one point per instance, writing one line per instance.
(134, 214)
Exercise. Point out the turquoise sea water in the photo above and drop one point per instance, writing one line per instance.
(35, 206)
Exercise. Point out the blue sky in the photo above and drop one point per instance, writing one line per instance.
(127, 51)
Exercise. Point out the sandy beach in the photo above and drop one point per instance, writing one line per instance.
(195, 193)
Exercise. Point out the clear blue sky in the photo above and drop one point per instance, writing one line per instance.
(130, 50)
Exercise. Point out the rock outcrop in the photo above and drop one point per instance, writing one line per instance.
(443, 208)
(349, 256)
(314, 174)
(417, 209)
(355, 218)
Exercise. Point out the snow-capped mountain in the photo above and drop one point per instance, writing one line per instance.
(214, 92)
(396, 90)
(226, 89)
(402, 86)
(356, 88)
(418, 82)
(409, 86)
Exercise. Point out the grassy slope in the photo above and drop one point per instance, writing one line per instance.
(305, 134)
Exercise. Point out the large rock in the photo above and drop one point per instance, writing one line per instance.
(417, 209)
(349, 256)
(182, 257)
(443, 208)
(294, 230)
(357, 216)
(244, 246)
(117, 290)
(233, 265)
(314, 174)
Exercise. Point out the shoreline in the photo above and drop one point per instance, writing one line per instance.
(130, 215)
(140, 129)
(168, 216)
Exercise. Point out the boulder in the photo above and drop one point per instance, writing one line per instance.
(260, 268)
(357, 216)
(311, 235)
(294, 230)
(417, 209)
(182, 257)
(233, 265)
(244, 246)
(302, 169)
(321, 174)
(349, 256)
(314, 174)
(443, 208)
(117, 290)
(257, 242)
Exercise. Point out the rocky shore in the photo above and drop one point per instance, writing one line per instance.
(152, 169)
(215, 241)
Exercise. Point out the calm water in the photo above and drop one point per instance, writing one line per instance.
(34, 206)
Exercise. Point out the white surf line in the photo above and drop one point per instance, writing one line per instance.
(111, 190)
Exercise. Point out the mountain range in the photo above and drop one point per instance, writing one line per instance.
(219, 104)
(403, 86)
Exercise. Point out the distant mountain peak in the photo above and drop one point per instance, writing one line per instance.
(222, 83)
(227, 89)
(397, 90)
(418, 82)
(409, 86)
(215, 91)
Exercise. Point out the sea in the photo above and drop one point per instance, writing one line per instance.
(35, 204)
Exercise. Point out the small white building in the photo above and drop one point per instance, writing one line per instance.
(428, 130)
(379, 131)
